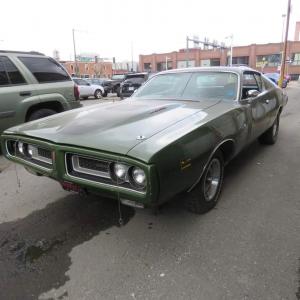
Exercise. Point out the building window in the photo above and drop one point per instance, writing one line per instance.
(240, 60)
(295, 59)
(215, 62)
(183, 64)
(147, 67)
(161, 66)
(272, 60)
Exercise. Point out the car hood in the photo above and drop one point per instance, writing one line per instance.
(114, 127)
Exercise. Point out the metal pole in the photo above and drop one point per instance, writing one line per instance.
(131, 56)
(187, 51)
(283, 59)
(75, 56)
(282, 34)
(166, 62)
(231, 50)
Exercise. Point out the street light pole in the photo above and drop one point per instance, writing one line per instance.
(282, 34)
(231, 46)
(283, 59)
(75, 56)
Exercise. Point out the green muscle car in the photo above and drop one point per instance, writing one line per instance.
(175, 134)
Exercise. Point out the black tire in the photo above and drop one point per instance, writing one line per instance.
(98, 94)
(105, 94)
(41, 113)
(199, 200)
(270, 136)
(118, 91)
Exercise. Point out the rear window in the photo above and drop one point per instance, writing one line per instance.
(9, 74)
(45, 69)
(138, 80)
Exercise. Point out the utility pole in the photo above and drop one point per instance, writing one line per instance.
(283, 59)
(75, 56)
(231, 44)
(131, 56)
(187, 51)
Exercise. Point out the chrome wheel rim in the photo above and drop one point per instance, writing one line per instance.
(212, 179)
(98, 95)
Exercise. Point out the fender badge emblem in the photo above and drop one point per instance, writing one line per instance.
(140, 137)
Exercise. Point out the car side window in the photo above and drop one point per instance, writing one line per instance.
(3, 75)
(10, 75)
(45, 69)
(249, 83)
(259, 82)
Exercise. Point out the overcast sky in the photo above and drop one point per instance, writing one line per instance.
(108, 27)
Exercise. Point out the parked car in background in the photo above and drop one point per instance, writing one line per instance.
(131, 83)
(104, 82)
(174, 135)
(33, 86)
(87, 89)
(275, 78)
(115, 83)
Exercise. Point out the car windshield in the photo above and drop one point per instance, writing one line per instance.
(191, 86)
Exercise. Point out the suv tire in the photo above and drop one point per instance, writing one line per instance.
(41, 113)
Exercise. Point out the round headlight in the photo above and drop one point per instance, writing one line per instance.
(120, 170)
(30, 150)
(139, 176)
(21, 147)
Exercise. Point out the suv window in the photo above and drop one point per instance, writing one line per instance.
(3, 75)
(9, 73)
(45, 69)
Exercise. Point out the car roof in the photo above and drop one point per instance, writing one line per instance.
(236, 69)
(24, 53)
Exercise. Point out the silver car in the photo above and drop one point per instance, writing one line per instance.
(87, 89)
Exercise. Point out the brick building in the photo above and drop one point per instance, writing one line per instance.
(89, 69)
(262, 57)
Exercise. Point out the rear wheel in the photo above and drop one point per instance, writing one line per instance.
(270, 136)
(41, 113)
(98, 94)
(205, 195)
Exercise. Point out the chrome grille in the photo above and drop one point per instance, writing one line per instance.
(30, 152)
(80, 165)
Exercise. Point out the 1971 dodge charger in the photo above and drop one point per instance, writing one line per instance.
(175, 134)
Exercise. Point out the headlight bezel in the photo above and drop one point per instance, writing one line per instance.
(128, 177)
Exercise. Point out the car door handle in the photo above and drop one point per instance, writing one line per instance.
(25, 93)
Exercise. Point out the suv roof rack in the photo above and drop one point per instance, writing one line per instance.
(22, 52)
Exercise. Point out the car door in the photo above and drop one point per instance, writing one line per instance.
(14, 89)
(272, 102)
(257, 106)
(84, 92)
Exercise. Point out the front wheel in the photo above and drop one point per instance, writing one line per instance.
(206, 194)
(98, 94)
(270, 136)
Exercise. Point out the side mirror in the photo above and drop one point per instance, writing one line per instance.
(252, 93)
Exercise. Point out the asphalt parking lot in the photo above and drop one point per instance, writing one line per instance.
(59, 245)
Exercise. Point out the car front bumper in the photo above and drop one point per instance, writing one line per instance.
(58, 171)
